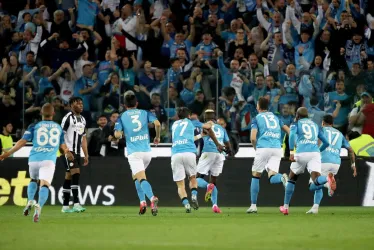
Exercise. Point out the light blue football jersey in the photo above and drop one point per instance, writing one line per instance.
(268, 130)
(183, 137)
(305, 133)
(337, 141)
(221, 135)
(134, 123)
(46, 138)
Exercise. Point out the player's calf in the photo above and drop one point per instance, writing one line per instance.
(255, 189)
(193, 187)
(43, 197)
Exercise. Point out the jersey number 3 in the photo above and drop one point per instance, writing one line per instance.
(44, 136)
(135, 119)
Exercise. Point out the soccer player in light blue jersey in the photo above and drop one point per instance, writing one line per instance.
(211, 160)
(331, 158)
(183, 155)
(47, 137)
(134, 124)
(266, 131)
(305, 134)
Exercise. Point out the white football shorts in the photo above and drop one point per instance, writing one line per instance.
(139, 161)
(329, 168)
(182, 164)
(267, 159)
(309, 160)
(210, 162)
(42, 170)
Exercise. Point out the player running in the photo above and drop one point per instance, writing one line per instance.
(183, 155)
(306, 134)
(74, 127)
(211, 160)
(46, 137)
(265, 137)
(134, 123)
(331, 158)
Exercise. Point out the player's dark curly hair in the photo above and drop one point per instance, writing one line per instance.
(74, 99)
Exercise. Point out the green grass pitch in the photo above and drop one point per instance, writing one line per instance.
(122, 228)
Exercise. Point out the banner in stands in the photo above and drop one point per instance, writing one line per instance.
(107, 181)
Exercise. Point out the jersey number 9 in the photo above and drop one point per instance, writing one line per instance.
(308, 131)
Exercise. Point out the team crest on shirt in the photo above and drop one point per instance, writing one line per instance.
(79, 128)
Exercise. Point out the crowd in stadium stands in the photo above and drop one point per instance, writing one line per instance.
(203, 54)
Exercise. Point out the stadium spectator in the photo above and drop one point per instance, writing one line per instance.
(6, 140)
(361, 144)
(97, 139)
(321, 53)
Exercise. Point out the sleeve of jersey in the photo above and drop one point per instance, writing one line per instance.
(65, 123)
(293, 133)
(151, 117)
(254, 124)
(118, 125)
(281, 124)
(323, 139)
(345, 143)
(29, 133)
(225, 136)
(62, 138)
(197, 123)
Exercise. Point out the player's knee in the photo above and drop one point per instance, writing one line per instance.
(67, 176)
(213, 179)
(66, 184)
(202, 176)
(44, 184)
(256, 174)
(293, 178)
(75, 178)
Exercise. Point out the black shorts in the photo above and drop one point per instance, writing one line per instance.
(76, 163)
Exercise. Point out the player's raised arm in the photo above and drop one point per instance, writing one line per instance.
(208, 128)
(27, 136)
(15, 148)
(254, 129)
(325, 143)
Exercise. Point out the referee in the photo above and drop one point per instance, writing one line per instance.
(74, 127)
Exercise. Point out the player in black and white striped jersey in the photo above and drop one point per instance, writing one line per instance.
(74, 125)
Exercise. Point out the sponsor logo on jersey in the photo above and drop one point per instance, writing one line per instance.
(308, 142)
(333, 150)
(139, 138)
(43, 150)
(180, 142)
(272, 134)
